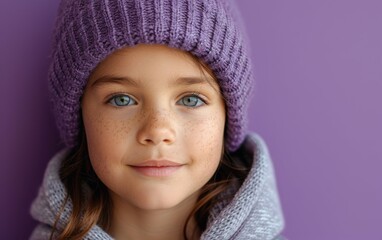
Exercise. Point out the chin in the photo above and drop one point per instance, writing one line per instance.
(160, 202)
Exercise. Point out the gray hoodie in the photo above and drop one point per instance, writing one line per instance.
(253, 213)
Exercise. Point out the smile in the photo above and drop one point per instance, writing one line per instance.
(153, 168)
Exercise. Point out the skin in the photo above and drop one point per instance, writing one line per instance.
(152, 102)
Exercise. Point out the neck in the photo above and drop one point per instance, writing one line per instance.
(129, 222)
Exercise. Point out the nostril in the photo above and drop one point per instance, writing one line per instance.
(156, 141)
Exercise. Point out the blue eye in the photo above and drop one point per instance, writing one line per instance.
(192, 100)
(122, 100)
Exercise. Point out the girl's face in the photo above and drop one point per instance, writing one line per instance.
(154, 122)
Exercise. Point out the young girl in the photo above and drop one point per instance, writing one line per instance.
(150, 99)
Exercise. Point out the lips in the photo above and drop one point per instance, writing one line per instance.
(157, 168)
(157, 163)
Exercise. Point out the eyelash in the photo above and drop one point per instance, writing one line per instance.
(199, 100)
(112, 100)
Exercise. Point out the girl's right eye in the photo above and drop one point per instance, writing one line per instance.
(121, 100)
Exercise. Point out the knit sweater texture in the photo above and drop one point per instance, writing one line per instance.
(253, 213)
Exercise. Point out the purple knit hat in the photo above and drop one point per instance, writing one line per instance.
(88, 31)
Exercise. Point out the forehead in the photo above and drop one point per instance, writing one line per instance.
(152, 62)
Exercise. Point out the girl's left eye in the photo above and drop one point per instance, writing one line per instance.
(192, 100)
(121, 100)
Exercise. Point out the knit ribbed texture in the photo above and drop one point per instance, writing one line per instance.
(254, 212)
(88, 31)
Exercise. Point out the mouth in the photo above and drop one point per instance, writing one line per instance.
(157, 163)
(157, 168)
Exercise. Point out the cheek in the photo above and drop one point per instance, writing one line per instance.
(205, 141)
(104, 127)
(106, 138)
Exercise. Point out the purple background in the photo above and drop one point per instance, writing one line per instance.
(318, 68)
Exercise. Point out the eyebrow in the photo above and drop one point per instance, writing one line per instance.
(124, 79)
(114, 79)
(189, 81)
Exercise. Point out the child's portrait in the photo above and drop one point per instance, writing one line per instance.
(150, 99)
(190, 119)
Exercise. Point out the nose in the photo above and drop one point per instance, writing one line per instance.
(156, 127)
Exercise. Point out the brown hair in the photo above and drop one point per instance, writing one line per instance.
(92, 204)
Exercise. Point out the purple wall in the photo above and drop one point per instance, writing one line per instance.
(28, 137)
(319, 87)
